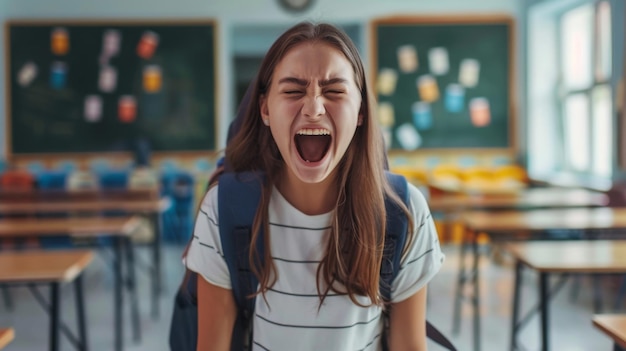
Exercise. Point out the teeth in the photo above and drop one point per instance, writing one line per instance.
(313, 131)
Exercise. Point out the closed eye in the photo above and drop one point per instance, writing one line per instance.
(292, 92)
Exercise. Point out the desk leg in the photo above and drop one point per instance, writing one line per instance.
(80, 312)
(543, 303)
(516, 299)
(476, 297)
(156, 273)
(55, 319)
(460, 284)
(132, 287)
(118, 298)
(6, 295)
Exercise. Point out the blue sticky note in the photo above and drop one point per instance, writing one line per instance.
(422, 116)
(58, 75)
(455, 98)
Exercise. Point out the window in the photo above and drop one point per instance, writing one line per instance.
(570, 103)
(585, 99)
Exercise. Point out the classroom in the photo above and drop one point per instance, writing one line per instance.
(509, 116)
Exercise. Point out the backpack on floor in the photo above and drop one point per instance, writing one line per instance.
(238, 198)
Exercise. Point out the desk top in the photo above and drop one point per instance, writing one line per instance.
(531, 198)
(537, 220)
(43, 266)
(614, 325)
(575, 256)
(6, 336)
(120, 194)
(60, 205)
(76, 226)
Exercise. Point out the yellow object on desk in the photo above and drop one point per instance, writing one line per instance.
(6, 336)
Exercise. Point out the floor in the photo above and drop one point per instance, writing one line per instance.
(571, 327)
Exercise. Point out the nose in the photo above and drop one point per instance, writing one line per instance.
(313, 107)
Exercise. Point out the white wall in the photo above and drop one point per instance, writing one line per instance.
(232, 13)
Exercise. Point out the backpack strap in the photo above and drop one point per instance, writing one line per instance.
(239, 195)
(395, 239)
(395, 236)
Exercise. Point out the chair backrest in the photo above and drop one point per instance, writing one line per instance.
(17, 180)
(51, 180)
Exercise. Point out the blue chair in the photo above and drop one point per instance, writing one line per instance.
(179, 186)
(51, 180)
(113, 179)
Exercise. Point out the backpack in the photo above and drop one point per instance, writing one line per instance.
(238, 198)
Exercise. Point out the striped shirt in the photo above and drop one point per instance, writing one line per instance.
(292, 319)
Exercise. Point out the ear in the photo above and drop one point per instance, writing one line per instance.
(265, 113)
(359, 121)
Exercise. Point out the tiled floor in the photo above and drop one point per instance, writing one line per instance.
(571, 327)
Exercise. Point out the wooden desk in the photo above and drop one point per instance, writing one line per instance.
(118, 228)
(6, 336)
(613, 325)
(541, 220)
(121, 194)
(531, 198)
(142, 202)
(547, 257)
(51, 268)
(520, 223)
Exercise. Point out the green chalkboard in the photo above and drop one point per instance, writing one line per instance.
(453, 81)
(102, 86)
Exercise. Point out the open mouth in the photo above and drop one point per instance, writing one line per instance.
(313, 143)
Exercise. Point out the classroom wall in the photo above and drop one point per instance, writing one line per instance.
(233, 13)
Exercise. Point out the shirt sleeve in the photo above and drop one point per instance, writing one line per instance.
(424, 257)
(205, 255)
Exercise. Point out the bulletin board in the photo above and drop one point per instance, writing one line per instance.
(102, 86)
(444, 82)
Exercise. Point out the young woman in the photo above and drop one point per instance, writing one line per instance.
(310, 128)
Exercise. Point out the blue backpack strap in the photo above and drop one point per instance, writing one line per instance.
(395, 239)
(239, 195)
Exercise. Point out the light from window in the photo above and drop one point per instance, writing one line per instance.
(603, 42)
(576, 49)
(602, 131)
(576, 128)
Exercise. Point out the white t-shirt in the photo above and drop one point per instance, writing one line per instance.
(292, 319)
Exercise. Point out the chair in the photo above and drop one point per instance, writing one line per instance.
(179, 186)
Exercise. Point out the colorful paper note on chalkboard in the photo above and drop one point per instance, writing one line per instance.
(427, 88)
(387, 79)
(455, 98)
(422, 115)
(147, 45)
(27, 74)
(438, 61)
(469, 73)
(108, 79)
(480, 112)
(152, 78)
(408, 137)
(59, 41)
(386, 116)
(111, 42)
(93, 108)
(407, 58)
(127, 108)
(58, 75)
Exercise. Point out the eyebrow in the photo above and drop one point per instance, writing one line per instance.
(304, 83)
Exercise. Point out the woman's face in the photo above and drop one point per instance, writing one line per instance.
(313, 107)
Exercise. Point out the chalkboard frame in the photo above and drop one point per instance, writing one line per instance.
(13, 156)
(453, 20)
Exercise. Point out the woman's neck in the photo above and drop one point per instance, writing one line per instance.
(309, 198)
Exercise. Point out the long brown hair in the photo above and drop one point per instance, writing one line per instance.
(354, 252)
